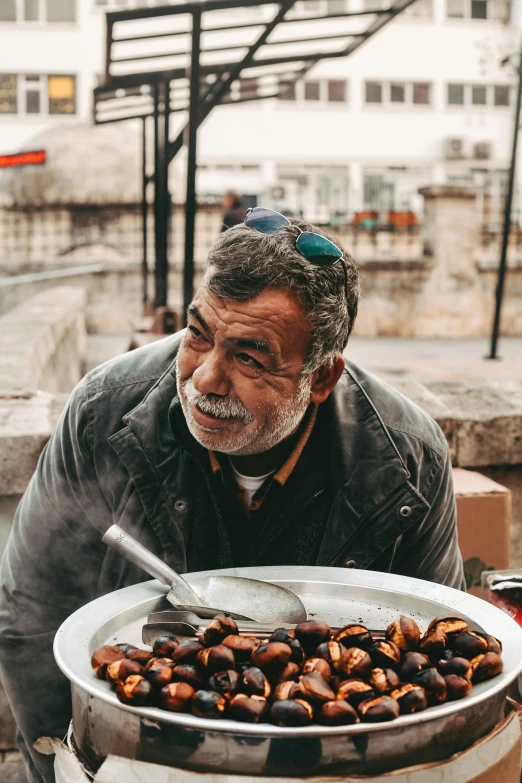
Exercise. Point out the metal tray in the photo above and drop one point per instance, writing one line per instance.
(103, 725)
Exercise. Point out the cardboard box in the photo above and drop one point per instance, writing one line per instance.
(483, 522)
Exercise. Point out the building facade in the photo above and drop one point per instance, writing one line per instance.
(425, 101)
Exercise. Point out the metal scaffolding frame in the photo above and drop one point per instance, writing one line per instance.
(197, 76)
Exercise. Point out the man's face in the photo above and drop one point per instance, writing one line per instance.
(239, 371)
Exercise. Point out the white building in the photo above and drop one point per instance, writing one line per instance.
(424, 101)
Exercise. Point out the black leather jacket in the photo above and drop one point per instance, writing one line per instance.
(115, 457)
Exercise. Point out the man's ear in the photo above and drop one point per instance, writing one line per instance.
(324, 379)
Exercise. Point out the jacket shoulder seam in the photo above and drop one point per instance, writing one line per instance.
(406, 431)
(93, 389)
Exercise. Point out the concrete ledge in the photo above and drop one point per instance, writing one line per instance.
(44, 342)
(482, 421)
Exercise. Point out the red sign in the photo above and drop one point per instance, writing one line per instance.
(23, 159)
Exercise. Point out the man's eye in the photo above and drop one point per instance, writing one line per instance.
(195, 333)
(250, 361)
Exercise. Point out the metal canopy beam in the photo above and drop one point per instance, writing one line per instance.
(111, 104)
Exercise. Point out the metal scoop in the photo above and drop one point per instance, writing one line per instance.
(244, 599)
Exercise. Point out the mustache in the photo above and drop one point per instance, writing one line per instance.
(215, 405)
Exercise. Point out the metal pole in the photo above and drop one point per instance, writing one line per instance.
(507, 220)
(145, 263)
(161, 192)
(190, 204)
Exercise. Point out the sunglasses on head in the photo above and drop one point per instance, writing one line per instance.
(316, 248)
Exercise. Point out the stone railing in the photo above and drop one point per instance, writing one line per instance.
(42, 357)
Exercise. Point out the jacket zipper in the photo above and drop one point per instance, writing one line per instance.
(341, 553)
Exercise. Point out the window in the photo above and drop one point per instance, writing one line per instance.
(61, 11)
(501, 93)
(373, 92)
(455, 95)
(479, 95)
(37, 11)
(397, 93)
(336, 91)
(286, 91)
(336, 6)
(247, 88)
(421, 94)
(32, 90)
(479, 9)
(455, 9)
(8, 93)
(311, 92)
(7, 10)
(61, 93)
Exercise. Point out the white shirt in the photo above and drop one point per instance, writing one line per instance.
(248, 485)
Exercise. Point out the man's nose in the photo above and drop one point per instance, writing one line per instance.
(211, 377)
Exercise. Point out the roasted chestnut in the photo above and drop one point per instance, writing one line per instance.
(176, 696)
(241, 646)
(216, 659)
(104, 656)
(285, 690)
(135, 690)
(248, 709)
(413, 663)
(331, 652)
(337, 713)
(125, 647)
(456, 686)
(271, 656)
(225, 683)
(298, 653)
(164, 646)
(354, 636)
(486, 666)
(379, 709)
(208, 704)
(253, 682)
(186, 651)
(355, 663)
(221, 626)
(312, 633)
(433, 683)
(404, 632)
(159, 662)
(160, 675)
(434, 642)
(290, 672)
(469, 644)
(495, 645)
(450, 625)
(355, 691)
(313, 688)
(412, 698)
(318, 665)
(456, 665)
(291, 713)
(385, 654)
(187, 672)
(285, 635)
(123, 668)
(142, 656)
(384, 680)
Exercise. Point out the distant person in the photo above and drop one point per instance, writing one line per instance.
(234, 209)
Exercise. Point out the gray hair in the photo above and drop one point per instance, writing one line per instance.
(244, 262)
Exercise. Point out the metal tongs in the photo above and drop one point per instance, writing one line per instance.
(244, 599)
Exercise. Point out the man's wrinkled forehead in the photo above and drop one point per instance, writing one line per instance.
(275, 320)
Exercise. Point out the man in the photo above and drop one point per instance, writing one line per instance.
(234, 210)
(243, 441)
